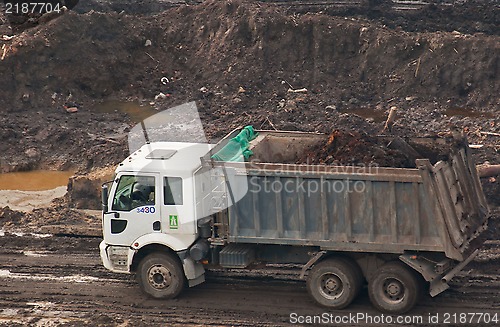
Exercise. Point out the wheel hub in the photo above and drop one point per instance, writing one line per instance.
(159, 277)
(331, 286)
(394, 290)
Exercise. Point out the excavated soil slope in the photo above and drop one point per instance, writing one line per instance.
(243, 57)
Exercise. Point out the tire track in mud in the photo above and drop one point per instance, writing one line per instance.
(60, 286)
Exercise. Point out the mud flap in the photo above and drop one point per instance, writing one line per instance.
(194, 271)
(437, 286)
(427, 269)
(441, 285)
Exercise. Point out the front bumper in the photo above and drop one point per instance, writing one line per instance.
(116, 258)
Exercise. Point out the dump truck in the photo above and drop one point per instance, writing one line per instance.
(175, 210)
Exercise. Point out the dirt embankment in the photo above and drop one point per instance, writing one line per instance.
(227, 45)
(464, 16)
(243, 57)
(241, 62)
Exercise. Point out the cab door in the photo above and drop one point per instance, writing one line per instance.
(134, 208)
(178, 214)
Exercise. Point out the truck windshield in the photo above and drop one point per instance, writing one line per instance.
(172, 189)
(133, 192)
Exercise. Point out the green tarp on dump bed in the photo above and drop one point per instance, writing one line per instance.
(237, 149)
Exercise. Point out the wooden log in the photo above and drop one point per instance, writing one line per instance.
(487, 170)
(391, 118)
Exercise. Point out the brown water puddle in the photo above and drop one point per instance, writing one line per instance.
(464, 112)
(36, 180)
(377, 115)
(134, 109)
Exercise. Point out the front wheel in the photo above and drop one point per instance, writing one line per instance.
(160, 275)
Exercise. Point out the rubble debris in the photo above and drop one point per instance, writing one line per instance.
(360, 149)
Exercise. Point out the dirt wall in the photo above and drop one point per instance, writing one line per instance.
(231, 44)
(238, 61)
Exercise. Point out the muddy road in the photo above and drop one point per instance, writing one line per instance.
(60, 281)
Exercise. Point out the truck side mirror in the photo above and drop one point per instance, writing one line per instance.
(104, 198)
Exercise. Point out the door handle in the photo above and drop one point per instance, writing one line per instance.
(116, 214)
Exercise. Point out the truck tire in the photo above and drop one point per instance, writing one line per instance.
(356, 270)
(395, 288)
(333, 283)
(161, 276)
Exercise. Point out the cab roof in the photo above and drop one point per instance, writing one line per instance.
(172, 158)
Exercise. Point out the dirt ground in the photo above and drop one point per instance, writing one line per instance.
(59, 280)
(242, 62)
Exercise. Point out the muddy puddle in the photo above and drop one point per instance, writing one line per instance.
(464, 112)
(25, 191)
(136, 111)
(36, 180)
(376, 116)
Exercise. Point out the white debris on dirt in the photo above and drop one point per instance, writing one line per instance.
(33, 254)
(5, 273)
(22, 234)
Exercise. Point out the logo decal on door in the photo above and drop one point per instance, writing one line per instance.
(173, 222)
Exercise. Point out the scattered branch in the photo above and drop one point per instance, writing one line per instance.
(4, 51)
(270, 123)
(418, 66)
(490, 133)
(150, 56)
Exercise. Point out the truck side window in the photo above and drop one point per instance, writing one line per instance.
(133, 192)
(172, 190)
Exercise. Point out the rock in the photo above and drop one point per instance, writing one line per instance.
(32, 153)
(84, 191)
(241, 90)
(71, 109)
(148, 43)
(331, 107)
(7, 215)
(353, 101)
(203, 90)
(290, 106)
(160, 96)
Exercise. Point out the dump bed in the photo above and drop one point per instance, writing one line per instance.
(272, 200)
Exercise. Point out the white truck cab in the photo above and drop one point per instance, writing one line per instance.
(149, 206)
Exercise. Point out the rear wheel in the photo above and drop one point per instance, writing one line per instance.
(160, 275)
(356, 270)
(395, 288)
(334, 283)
